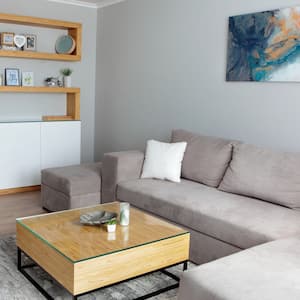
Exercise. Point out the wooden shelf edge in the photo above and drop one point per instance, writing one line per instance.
(39, 89)
(40, 55)
(20, 190)
(38, 22)
(58, 118)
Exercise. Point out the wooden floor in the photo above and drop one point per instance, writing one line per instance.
(15, 206)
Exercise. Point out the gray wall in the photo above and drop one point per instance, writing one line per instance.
(30, 106)
(161, 64)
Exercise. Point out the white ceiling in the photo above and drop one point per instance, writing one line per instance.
(88, 3)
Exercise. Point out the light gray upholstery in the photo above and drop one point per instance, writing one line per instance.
(54, 200)
(74, 180)
(117, 167)
(251, 207)
(237, 220)
(266, 272)
(264, 174)
(71, 186)
(205, 159)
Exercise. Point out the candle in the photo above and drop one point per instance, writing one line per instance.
(124, 213)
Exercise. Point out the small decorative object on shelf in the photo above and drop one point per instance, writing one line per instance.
(124, 213)
(65, 44)
(30, 44)
(53, 82)
(19, 41)
(7, 39)
(111, 225)
(67, 77)
(1, 79)
(27, 79)
(12, 77)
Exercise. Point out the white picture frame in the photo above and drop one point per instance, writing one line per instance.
(27, 79)
(12, 77)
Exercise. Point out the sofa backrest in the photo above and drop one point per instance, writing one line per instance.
(206, 158)
(264, 174)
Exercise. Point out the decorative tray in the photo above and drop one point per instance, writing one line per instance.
(97, 217)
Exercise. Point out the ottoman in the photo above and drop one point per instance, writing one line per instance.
(270, 271)
(71, 187)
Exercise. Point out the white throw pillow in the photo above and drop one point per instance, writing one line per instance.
(163, 160)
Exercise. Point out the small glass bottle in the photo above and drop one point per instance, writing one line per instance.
(124, 213)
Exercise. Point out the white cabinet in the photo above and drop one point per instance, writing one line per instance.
(19, 154)
(28, 147)
(60, 144)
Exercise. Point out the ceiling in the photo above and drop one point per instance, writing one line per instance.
(88, 3)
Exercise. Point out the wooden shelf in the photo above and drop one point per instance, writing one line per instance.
(39, 89)
(74, 30)
(40, 55)
(58, 118)
(73, 99)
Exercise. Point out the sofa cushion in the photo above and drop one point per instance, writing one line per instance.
(266, 272)
(163, 160)
(74, 180)
(264, 174)
(205, 159)
(237, 220)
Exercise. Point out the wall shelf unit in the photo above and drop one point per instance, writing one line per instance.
(74, 30)
(72, 94)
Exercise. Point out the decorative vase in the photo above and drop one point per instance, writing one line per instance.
(67, 81)
(124, 213)
(111, 227)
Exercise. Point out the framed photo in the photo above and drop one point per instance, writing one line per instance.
(12, 77)
(27, 79)
(30, 44)
(7, 38)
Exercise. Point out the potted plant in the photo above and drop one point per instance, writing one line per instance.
(111, 225)
(67, 76)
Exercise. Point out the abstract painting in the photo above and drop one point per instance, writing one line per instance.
(264, 46)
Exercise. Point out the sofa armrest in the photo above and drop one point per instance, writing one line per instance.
(117, 167)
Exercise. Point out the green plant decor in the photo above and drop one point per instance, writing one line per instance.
(112, 222)
(66, 72)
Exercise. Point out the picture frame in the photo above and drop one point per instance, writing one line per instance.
(30, 44)
(12, 77)
(27, 79)
(7, 39)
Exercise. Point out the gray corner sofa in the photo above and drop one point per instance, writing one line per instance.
(232, 196)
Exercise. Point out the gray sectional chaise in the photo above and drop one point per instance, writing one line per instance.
(221, 222)
(232, 197)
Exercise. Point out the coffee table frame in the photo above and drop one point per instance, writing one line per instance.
(22, 269)
(161, 246)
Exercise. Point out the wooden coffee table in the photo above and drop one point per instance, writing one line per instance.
(85, 258)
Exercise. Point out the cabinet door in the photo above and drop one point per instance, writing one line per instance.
(60, 143)
(19, 155)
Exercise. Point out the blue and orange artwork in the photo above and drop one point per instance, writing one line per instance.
(264, 46)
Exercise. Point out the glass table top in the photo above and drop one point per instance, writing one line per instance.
(63, 232)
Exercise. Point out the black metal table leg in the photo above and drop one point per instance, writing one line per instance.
(185, 265)
(31, 279)
(19, 259)
(22, 268)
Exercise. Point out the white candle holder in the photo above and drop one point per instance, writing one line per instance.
(124, 213)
